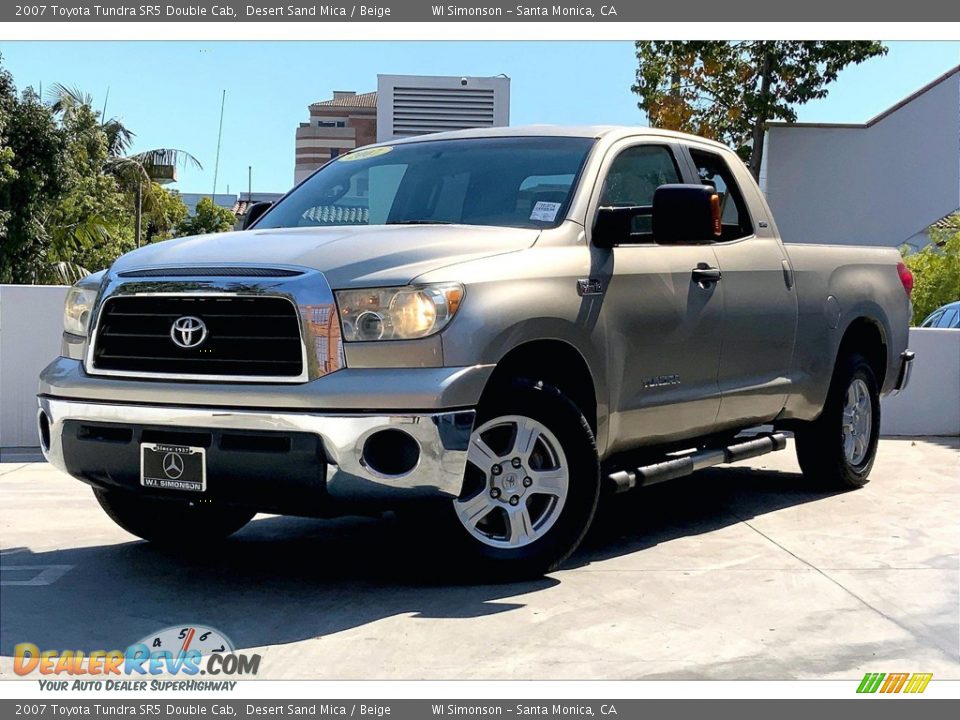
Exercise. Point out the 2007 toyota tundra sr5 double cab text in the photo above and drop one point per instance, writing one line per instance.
(481, 328)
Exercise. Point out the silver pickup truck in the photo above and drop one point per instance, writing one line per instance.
(481, 329)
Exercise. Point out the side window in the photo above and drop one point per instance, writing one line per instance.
(932, 319)
(713, 170)
(948, 319)
(634, 176)
(636, 173)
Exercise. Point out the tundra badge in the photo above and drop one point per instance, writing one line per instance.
(589, 286)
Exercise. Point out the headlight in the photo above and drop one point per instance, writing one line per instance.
(402, 313)
(77, 309)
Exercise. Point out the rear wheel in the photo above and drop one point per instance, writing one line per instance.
(171, 523)
(838, 448)
(531, 484)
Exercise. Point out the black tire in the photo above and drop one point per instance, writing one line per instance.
(820, 443)
(171, 523)
(550, 407)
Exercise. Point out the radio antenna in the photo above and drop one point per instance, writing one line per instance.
(216, 163)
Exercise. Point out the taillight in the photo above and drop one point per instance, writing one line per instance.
(906, 278)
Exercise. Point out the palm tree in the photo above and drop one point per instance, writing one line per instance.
(131, 170)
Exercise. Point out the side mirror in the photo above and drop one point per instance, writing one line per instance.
(614, 225)
(254, 213)
(686, 214)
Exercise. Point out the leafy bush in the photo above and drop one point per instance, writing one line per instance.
(936, 273)
(209, 218)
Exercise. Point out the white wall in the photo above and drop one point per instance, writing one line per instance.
(931, 403)
(879, 183)
(31, 324)
(419, 104)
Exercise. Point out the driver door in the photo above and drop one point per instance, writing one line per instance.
(662, 327)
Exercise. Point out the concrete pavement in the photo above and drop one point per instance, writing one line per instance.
(736, 573)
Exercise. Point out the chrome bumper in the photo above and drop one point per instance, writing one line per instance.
(442, 440)
(906, 368)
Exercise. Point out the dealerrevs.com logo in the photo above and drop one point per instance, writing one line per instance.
(889, 683)
(181, 650)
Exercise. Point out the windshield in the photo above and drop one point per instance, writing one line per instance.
(523, 182)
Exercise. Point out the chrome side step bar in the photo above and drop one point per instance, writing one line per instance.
(687, 464)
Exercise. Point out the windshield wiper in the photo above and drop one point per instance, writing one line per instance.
(418, 222)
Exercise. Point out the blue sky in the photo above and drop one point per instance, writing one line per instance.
(169, 92)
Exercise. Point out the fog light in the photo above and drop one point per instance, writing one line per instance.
(43, 426)
(391, 452)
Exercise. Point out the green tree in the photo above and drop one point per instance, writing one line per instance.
(72, 196)
(8, 172)
(92, 224)
(33, 147)
(209, 218)
(936, 273)
(135, 172)
(729, 91)
(163, 211)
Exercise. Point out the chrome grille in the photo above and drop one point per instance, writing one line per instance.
(246, 336)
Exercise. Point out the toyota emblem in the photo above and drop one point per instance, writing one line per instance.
(188, 332)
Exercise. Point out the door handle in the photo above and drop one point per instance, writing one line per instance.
(703, 275)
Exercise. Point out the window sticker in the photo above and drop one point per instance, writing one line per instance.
(545, 211)
(367, 153)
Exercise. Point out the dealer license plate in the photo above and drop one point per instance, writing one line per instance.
(173, 467)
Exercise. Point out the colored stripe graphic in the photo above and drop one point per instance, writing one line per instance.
(870, 682)
(918, 682)
(894, 682)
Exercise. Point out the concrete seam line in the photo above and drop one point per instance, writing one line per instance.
(840, 585)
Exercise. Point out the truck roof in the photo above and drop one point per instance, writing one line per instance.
(608, 132)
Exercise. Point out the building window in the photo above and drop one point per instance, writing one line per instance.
(335, 152)
(323, 350)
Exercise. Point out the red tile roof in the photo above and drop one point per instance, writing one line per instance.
(950, 222)
(364, 100)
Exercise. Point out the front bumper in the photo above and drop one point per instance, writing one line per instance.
(328, 455)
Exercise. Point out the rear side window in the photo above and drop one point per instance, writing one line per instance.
(932, 319)
(949, 319)
(634, 176)
(713, 170)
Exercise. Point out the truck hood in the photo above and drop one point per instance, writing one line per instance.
(349, 256)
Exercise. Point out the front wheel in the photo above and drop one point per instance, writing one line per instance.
(531, 484)
(838, 448)
(171, 523)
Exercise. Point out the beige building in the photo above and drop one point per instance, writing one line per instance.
(344, 122)
(408, 105)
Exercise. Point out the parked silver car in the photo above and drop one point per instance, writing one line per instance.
(496, 320)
